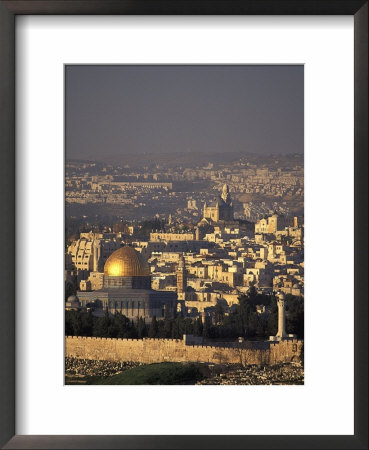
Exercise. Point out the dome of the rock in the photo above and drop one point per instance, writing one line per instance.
(126, 262)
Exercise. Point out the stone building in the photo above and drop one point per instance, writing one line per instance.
(72, 303)
(90, 252)
(159, 237)
(221, 209)
(271, 224)
(127, 289)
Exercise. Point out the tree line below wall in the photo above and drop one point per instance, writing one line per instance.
(242, 321)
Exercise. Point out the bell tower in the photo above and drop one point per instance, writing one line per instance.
(225, 195)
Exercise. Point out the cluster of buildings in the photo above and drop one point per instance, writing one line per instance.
(190, 272)
(257, 187)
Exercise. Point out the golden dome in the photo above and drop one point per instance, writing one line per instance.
(126, 262)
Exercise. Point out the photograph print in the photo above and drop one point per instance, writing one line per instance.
(184, 225)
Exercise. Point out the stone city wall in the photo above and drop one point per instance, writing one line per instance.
(159, 350)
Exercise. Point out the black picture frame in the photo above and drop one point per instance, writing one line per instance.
(8, 11)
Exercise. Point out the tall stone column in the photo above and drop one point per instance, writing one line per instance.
(281, 333)
(281, 316)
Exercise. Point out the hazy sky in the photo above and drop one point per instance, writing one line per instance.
(117, 110)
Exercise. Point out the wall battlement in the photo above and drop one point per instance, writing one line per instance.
(176, 350)
(292, 341)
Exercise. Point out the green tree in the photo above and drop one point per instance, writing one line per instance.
(153, 330)
(295, 315)
(206, 332)
(122, 326)
(188, 326)
(141, 328)
(70, 289)
(87, 324)
(167, 328)
(198, 327)
(179, 327)
(218, 313)
(252, 295)
(101, 328)
(244, 310)
(68, 323)
(76, 324)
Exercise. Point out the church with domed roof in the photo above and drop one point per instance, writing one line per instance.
(221, 209)
(127, 289)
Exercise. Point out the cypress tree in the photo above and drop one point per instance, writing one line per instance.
(153, 330)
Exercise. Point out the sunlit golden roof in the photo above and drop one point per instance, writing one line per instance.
(126, 262)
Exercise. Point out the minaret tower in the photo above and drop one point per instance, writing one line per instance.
(181, 276)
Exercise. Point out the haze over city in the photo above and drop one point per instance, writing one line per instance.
(114, 111)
